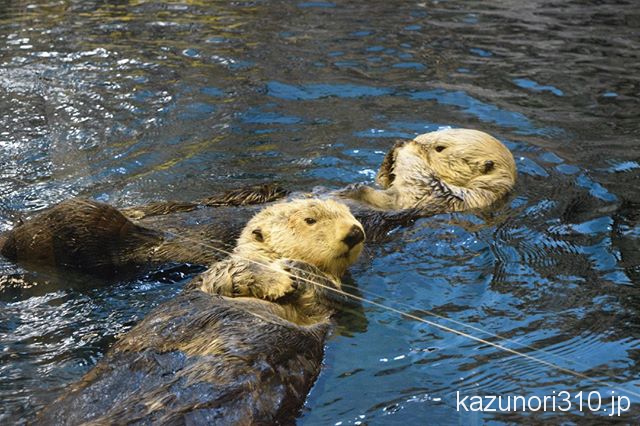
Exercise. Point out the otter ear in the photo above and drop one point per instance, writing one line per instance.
(257, 234)
(487, 166)
(385, 175)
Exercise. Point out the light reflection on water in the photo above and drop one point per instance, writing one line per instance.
(129, 102)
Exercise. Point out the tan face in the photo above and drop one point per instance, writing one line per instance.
(322, 233)
(461, 157)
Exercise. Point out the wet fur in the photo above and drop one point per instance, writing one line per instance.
(81, 234)
(260, 194)
(444, 171)
(202, 358)
(98, 238)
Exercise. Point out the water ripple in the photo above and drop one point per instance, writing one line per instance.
(134, 102)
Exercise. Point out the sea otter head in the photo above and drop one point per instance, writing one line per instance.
(323, 233)
(462, 157)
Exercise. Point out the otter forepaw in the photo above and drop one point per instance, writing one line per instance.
(279, 283)
(352, 187)
(302, 272)
(353, 190)
(297, 266)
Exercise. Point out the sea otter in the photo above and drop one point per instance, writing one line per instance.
(445, 171)
(448, 170)
(207, 358)
(100, 239)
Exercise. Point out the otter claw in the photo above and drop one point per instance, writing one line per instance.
(296, 267)
(353, 187)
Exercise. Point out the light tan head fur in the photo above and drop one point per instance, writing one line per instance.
(313, 231)
(470, 159)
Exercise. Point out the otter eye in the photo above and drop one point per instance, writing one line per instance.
(440, 148)
(310, 220)
(488, 166)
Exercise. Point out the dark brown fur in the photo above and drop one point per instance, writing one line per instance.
(260, 194)
(206, 359)
(97, 238)
(80, 234)
(385, 175)
(200, 359)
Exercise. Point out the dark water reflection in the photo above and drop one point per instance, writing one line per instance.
(129, 102)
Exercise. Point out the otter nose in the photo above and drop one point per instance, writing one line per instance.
(354, 237)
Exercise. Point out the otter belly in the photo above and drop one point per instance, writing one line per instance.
(200, 359)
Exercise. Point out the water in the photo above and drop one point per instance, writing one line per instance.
(131, 102)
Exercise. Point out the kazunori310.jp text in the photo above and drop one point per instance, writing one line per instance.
(612, 403)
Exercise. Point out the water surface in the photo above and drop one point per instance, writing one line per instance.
(131, 101)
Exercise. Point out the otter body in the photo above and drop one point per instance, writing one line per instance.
(81, 234)
(249, 359)
(99, 239)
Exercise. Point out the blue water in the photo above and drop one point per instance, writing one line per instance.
(132, 102)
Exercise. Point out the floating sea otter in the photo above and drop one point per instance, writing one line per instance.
(444, 171)
(448, 170)
(247, 359)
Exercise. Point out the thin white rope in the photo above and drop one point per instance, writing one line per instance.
(422, 320)
(415, 308)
